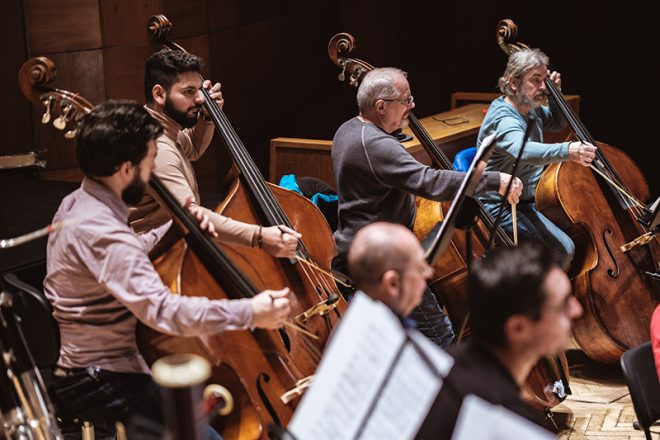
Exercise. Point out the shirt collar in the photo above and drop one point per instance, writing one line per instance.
(106, 196)
(170, 126)
(487, 352)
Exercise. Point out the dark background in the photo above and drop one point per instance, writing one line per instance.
(271, 57)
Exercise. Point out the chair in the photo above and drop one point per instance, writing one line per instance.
(41, 331)
(318, 191)
(641, 376)
(464, 158)
(37, 323)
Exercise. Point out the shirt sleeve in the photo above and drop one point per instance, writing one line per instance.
(197, 139)
(395, 167)
(233, 231)
(511, 132)
(153, 236)
(120, 264)
(169, 170)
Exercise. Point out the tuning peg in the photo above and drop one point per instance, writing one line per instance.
(61, 121)
(71, 134)
(342, 75)
(48, 103)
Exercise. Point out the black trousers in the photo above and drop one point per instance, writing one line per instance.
(103, 397)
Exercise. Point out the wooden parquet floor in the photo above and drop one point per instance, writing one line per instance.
(600, 406)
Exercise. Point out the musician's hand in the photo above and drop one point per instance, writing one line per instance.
(202, 217)
(271, 308)
(516, 187)
(581, 153)
(280, 241)
(555, 77)
(215, 92)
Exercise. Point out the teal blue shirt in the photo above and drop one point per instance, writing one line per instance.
(510, 126)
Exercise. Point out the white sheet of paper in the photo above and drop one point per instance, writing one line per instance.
(356, 364)
(485, 421)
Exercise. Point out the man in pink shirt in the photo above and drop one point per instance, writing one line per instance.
(100, 280)
(655, 338)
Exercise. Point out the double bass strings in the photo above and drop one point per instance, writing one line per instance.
(442, 160)
(255, 180)
(608, 172)
(273, 211)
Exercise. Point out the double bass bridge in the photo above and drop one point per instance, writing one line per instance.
(297, 390)
(321, 309)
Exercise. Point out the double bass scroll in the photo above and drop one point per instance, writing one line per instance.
(63, 108)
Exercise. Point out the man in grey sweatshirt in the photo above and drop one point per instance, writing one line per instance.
(377, 178)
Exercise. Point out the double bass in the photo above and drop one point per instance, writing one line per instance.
(257, 367)
(548, 382)
(251, 199)
(602, 208)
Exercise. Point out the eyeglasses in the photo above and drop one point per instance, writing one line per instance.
(407, 102)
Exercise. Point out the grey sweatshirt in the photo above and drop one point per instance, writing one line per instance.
(377, 180)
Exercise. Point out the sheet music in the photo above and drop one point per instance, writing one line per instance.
(347, 401)
(409, 394)
(485, 421)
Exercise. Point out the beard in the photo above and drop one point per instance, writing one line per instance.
(133, 193)
(537, 101)
(181, 118)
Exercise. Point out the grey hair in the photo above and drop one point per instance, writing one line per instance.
(519, 63)
(378, 84)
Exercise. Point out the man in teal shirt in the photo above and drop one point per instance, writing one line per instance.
(524, 101)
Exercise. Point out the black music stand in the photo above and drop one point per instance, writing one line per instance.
(654, 226)
(462, 212)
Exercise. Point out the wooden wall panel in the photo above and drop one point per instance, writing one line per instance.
(15, 112)
(62, 25)
(222, 15)
(123, 21)
(124, 71)
(272, 56)
(188, 17)
(225, 47)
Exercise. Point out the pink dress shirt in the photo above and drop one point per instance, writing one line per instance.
(100, 281)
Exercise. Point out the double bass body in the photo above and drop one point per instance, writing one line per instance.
(251, 365)
(617, 299)
(309, 286)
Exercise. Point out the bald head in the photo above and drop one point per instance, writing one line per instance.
(379, 247)
(387, 262)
